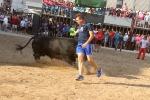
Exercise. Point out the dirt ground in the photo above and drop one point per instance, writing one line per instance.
(21, 78)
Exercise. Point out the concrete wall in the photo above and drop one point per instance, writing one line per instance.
(143, 5)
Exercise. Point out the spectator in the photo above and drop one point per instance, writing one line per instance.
(22, 25)
(111, 37)
(99, 38)
(45, 33)
(1, 20)
(106, 35)
(14, 23)
(100, 12)
(120, 40)
(5, 23)
(133, 42)
(148, 48)
(118, 13)
(144, 44)
(94, 39)
(125, 40)
(49, 26)
(124, 7)
(72, 29)
(45, 5)
(146, 18)
(116, 39)
(66, 30)
(60, 29)
(124, 15)
(138, 40)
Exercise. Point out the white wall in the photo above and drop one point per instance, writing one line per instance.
(1, 1)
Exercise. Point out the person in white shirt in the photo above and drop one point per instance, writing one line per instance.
(94, 39)
(125, 39)
(22, 25)
(146, 18)
(5, 23)
(144, 44)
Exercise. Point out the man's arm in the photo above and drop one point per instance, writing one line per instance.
(90, 38)
(76, 32)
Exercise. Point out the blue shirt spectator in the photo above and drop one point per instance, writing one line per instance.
(116, 35)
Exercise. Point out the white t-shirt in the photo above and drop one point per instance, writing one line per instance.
(144, 43)
(5, 20)
(22, 23)
(125, 38)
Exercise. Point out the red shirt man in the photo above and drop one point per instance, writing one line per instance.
(15, 20)
(112, 34)
(100, 35)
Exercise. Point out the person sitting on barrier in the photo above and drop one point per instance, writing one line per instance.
(70, 8)
(124, 7)
(55, 4)
(50, 3)
(59, 7)
(100, 12)
(46, 6)
(124, 14)
(63, 8)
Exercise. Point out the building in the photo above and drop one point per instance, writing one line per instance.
(143, 5)
(27, 6)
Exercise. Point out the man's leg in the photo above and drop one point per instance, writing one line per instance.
(144, 52)
(139, 54)
(99, 70)
(80, 62)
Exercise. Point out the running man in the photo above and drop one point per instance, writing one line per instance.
(84, 47)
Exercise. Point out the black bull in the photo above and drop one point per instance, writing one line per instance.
(59, 48)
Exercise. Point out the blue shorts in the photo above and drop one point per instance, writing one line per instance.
(87, 50)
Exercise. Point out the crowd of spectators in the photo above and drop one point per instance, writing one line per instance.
(58, 7)
(118, 40)
(17, 23)
(5, 6)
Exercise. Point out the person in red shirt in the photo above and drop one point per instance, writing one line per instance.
(14, 23)
(99, 38)
(111, 37)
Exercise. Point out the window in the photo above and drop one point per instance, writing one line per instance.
(119, 3)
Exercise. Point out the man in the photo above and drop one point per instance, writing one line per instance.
(15, 23)
(120, 40)
(72, 29)
(124, 7)
(125, 40)
(116, 39)
(146, 18)
(138, 40)
(84, 46)
(5, 23)
(144, 44)
(106, 35)
(99, 38)
(111, 37)
(148, 48)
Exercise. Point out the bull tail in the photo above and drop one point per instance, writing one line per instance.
(20, 48)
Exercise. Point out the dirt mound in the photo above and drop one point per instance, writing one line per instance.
(21, 78)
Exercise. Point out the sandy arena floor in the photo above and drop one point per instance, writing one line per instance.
(124, 77)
